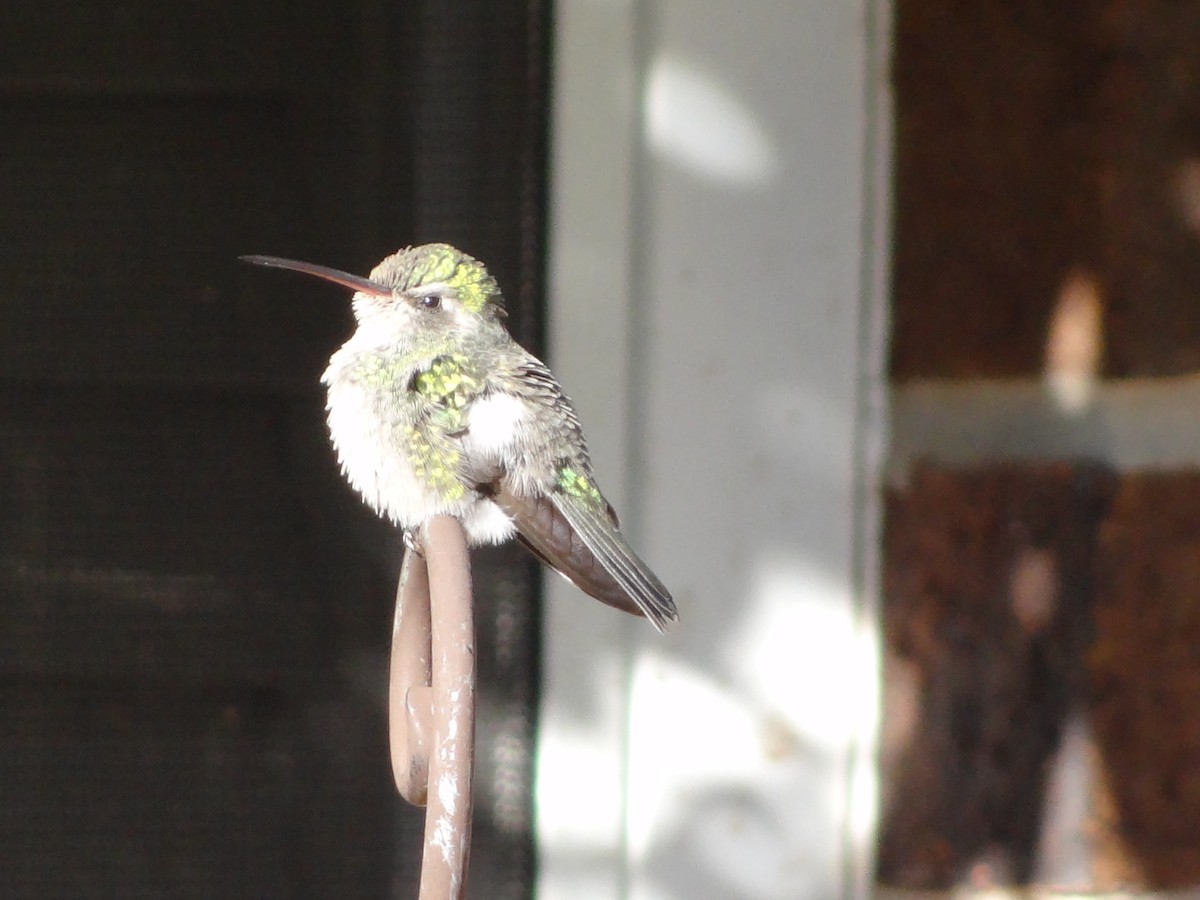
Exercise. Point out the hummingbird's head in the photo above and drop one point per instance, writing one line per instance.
(430, 288)
(434, 278)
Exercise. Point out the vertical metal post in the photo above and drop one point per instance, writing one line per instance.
(431, 702)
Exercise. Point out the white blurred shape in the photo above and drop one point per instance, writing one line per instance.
(901, 698)
(1075, 342)
(732, 778)
(1065, 851)
(795, 631)
(731, 761)
(1033, 588)
(698, 124)
(580, 781)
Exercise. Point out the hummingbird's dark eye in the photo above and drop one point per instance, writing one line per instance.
(430, 301)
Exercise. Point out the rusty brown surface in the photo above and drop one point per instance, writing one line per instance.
(987, 614)
(1016, 595)
(1035, 142)
(1144, 674)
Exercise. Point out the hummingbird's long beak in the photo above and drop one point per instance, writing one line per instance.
(354, 282)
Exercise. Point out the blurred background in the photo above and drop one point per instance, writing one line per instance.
(881, 317)
(196, 612)
(1041, 542)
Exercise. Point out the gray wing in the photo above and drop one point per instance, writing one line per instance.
(569, 525)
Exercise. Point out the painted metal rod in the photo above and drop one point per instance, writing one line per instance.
(410, 705)
(432, 701)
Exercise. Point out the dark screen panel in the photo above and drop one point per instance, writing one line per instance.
(196, 609)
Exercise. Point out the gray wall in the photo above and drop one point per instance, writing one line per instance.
(717, 297)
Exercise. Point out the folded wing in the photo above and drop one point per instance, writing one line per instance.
(582, 543)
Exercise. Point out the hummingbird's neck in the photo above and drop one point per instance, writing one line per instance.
(383, 336)
(374, 350)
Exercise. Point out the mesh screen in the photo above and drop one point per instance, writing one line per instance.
(195, 609)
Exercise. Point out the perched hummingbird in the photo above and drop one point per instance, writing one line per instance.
(435, 410)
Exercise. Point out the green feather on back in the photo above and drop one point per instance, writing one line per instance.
(578, 485)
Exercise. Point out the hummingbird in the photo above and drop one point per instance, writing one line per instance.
(434, 409)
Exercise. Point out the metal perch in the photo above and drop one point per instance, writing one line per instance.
(431, 701)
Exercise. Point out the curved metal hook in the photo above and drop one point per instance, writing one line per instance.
(431, 703)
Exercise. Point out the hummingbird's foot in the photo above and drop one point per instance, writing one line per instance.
(412, 541)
